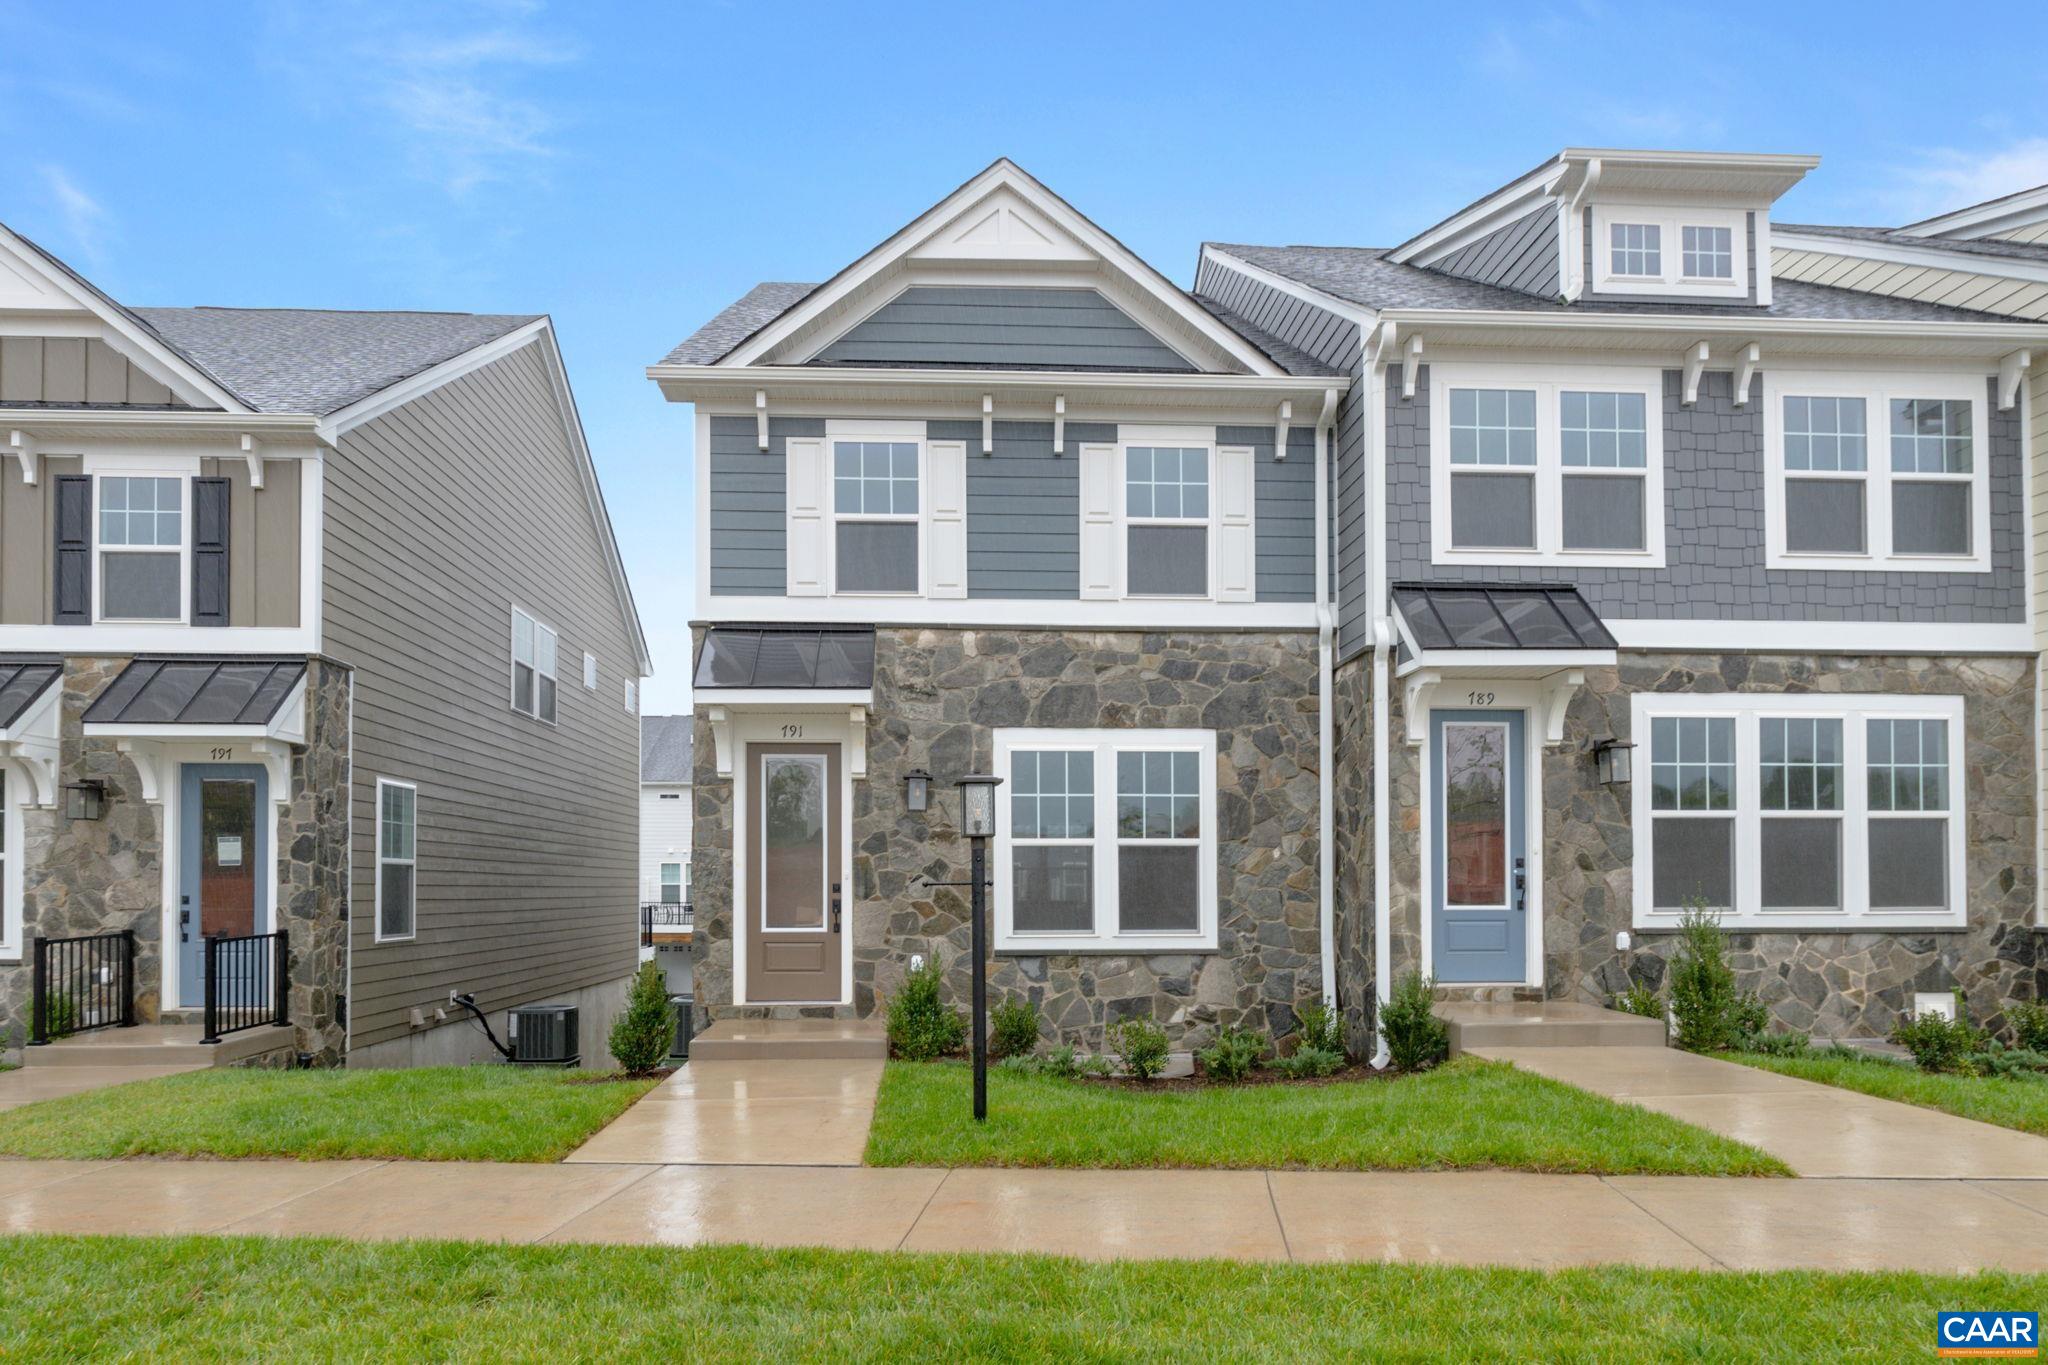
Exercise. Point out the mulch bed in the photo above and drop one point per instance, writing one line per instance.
(660, 1073)
(1358, 1071)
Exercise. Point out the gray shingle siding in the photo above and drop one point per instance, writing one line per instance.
(1521, 256)
(1023, 508)
(1714, 528)
(750, 504)
(1670, 248)
(1006, 327)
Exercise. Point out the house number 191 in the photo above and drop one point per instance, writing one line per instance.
(792, 732)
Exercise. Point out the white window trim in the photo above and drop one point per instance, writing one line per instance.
(512, 668)
(183, 480)
(661, 882)
(1106, 745)
(15, 792)
(590, 670)
(1184, 438)
(1746, 709)
(1548, 382)
(1877, 390)
(894, 433)
(1671, 224)
(631, 697)
(377, 909)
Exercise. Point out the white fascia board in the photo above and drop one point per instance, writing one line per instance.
(1996, 336)
(1823, 637)
(1897, 253)
(167, 639)
(1503, 206)
(1234, 399)
(175, 733)
(112, 424)
(339, 422)
(2022, 209)
(1136, 613)
(784, 698)
(1005, 174)
(1481, 663)
(1307, 293)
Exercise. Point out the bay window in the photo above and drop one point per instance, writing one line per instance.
(1547, 465)
(1110, 840)
(1803, 810)
(1876, 471)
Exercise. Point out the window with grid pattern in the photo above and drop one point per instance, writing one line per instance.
(1637, 248)
(1708, 253)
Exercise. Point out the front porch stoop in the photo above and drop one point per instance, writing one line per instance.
(159, 1045)
(1478, 1024)
(791, 1040)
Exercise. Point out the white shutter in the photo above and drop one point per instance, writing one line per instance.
(809, 488)
(946, 519)
(1236, 542)
(1102, 555)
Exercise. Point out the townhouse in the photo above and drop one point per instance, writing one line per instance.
(318, 676)
(1472, 606)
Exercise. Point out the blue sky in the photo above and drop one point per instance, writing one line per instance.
(631, 169)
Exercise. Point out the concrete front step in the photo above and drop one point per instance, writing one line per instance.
(1545, 1023)
(158, 1045)
(735, 1040)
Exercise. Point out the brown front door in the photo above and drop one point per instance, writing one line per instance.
(792, 872)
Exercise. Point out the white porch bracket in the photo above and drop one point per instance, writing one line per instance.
(1381, 343)
(857, 742)
(988, 424)
(1745, 371)
(1695, 366)
(1558, 691)
(1059, 424)
(761, 418)
(1417, 689)
(33, 745)
(150, 765)
(721, 738)
(1411, 362)
(2010, 370)
(1280, 425)
(276, 757)
(23, 448)
(252, 451)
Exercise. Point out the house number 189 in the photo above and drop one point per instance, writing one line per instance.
(1479, 698)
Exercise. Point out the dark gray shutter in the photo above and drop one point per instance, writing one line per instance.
(71, 585)
(209, 552)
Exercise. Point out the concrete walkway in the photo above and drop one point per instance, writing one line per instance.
(1495, 1218)
(27, 1084)
(747, 1113)
(1817, 1130)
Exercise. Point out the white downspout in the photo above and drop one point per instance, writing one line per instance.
(1326, 722)
(1382, 644)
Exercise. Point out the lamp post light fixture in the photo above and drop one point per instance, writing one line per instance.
(86, 800)
(917, 791)
(978, 823)
(1615, 760)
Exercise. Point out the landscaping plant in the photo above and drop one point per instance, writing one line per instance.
(642, 1036)
(1013, 1029)
(922, 1027)
(1141, 1046)
(1416, 1038)
(1640, 999)
(1062, 1062)
(1941, 1044)
(1233, 1055)
(2029, 1020)
(1710, 1014)
(1320, 1027)
(1307, 1063)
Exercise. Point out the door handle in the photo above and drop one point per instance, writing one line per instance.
(184, 920)
(835, 907)
(1521, 887)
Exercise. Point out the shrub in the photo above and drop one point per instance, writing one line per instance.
(1640, 999)
(1306, 1062)
(1938, 1043)
(1704, 1004)
(1013, 1029)
(1061, 1062)
(1777, 1044)
(2029, 1020)
(1141, 1046)
(644, 1035)
(1233, 1055)
(1320, 1027)
(1021, 1064)
(1416, 1038)
(921, 1027)
(2011, 1063)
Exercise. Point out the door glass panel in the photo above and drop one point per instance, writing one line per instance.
(793, 842)
(1475, 814)
(227, 857)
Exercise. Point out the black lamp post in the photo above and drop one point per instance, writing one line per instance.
(978, 823)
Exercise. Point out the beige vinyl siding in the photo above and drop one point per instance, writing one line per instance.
(74, 370)
(25, 549)
(440, 516)
(263, 541)
(2033, 232)
(1957, 288)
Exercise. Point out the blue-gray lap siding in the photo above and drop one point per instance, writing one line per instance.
(1714, 528)
(750, 504)
(1520, 256)
(1023, 507)
(1333, 340)
(1003, 327)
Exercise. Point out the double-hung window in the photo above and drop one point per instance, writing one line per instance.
(1651, 249)
(397, 858)
(141, 528)
(1799, 810)
(1546, 465)
(1166, 518)
(875, 522)
(671, 883)
(1877, 471)
(533, 667)
(1110, 837)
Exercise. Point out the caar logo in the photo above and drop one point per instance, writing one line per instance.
(1987, 1334)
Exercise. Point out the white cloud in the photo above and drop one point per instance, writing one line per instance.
(85, 219)
(1944, 179)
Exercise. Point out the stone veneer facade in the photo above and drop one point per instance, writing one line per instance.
(1835, 985)
(84, 877)
(939, 696)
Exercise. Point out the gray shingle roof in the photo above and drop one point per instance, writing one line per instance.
(1364, 276)
(1983, 246)
(1290, 358)
(755, 309)
(665, 748)
(317, 361)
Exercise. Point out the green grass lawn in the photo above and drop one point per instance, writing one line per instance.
(1988, 1099)
(248, 1299)
(1469, 1113)
(450, 1113)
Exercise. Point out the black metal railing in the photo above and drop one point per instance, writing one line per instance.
(248, 983)
(664, 916)
(81, 984)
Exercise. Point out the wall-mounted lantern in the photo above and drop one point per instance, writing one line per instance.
(1615, 759)
(917, 791)
(85, 800)
(978, 805)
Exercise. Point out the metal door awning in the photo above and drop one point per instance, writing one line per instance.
(758, 669)
(1545, 633)
(30, 690)
(157, 708)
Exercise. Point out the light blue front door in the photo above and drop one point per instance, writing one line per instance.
(1479, 891)
(224, 883)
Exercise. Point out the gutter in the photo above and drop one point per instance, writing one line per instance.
(1326, 720)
